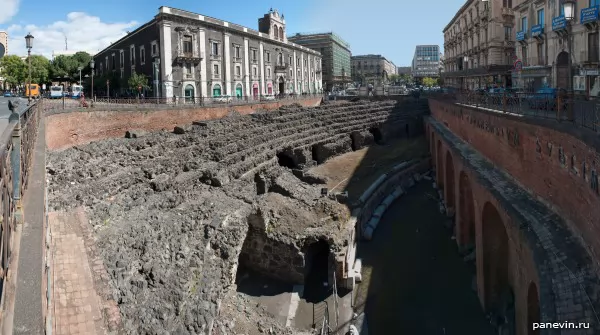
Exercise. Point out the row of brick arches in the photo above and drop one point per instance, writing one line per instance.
(480, 226)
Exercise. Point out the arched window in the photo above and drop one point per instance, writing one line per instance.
(281, 33)
(217, 90)
(280, 59)
(276, 32)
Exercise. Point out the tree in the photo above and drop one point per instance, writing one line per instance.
(429, 82)
(394, 78)
(138, 80)
(40, 69)
(67, 66)
(13, 69)
(440, 81)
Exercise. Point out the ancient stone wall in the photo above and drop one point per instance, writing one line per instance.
(271, 257)
(539, 251)
(553, 160)
(65, 130)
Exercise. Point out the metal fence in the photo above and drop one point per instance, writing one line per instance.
(579, 110)
(183, 102)
(16, 151)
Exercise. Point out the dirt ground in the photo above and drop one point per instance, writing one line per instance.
(356, 171)
(414, 281)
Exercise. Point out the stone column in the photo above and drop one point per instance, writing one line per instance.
(203, 73)
(261, 64)
(302, 80)
(246, 68)
(227, 63)
(167, 60)
(295, 75)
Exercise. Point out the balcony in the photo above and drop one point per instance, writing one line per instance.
(508, 13)
(215, 57)
(187, 57)
(281, 67)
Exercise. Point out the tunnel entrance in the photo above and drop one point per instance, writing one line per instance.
(285, 160)
(317, 272)
(377, 135)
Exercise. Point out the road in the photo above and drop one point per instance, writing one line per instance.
(5, 112)
(414, 280)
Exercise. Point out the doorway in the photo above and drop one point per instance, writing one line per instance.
(255, 91)
(562, 70)
(316, 272)
(238, 91)
(281, 86)
(217, 90)
(189, 93)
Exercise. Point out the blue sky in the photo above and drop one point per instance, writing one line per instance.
(391, 28)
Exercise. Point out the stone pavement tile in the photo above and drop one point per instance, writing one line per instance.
(76, 307)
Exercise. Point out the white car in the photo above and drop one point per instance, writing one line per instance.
(223, 99)
(268, 97)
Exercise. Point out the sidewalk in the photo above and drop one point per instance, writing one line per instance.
(28, 309)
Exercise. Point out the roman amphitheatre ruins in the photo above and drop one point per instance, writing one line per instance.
(174, 215)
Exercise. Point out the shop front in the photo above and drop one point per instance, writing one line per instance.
(532, 78)
(587, 82)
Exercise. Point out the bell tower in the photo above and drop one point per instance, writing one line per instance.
(273, 24)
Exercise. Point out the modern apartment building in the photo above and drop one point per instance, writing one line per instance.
(193, 55)
(542, 47)
(372, 69)
(426, 62)
(479, 45)
(335, 54)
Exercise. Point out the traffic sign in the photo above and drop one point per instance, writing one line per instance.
(518, 66)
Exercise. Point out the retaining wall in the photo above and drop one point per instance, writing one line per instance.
(65, 130)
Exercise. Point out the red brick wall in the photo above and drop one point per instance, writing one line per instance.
(546, 161)
(69, 129)
(521, 265)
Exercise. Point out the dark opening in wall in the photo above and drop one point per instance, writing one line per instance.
(407, 130)
(315, 153)
(377, 136)
(285, 160)
(355, 145)
(317, 271)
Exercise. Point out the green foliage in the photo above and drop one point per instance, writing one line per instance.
(13, 69)
(440, 81)
(429, 82)
(394, 78)
(40, 66)
(67, 66)
(406, 78)
(138, 80)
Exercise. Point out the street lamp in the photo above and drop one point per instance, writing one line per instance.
(80, 68)
(569, 10)
(29, 44)
(92, 63)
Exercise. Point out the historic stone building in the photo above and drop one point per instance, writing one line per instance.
(542, 46)
(191, 55)
(374, 69)
(479, 45)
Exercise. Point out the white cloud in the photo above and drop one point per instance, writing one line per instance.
(82, 31)
(9, 9)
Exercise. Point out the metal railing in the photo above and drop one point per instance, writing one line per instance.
(189, 102)
(16, 151)
(580, 110)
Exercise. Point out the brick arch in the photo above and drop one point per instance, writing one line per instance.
(495, 257)
(533, 309)
(439, 165)
(449, 183)
(466, 217)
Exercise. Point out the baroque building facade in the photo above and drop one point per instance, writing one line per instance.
(479, 45)
(542, 46)
(191, 55)
(373, 69)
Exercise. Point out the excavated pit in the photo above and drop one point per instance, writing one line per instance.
(174, 214)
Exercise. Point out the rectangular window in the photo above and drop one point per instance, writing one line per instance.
(594, 3)
(132, 54)
(142, 55)
(237, 52)
(122, 58)
(524, 55)
(540, 52)
(254, 55)
(593, 47)
(154, 49)
(540, 17)
(187, 44)
(216, 69)
(122, 73)
(524, 23)
(507, 33)
(238, 70)
(112, 61)
(254, 71)
(188, 68)
(268, 73)
(268, 56)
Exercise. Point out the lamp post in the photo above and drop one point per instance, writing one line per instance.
(569, 9)
(92, 63)
(29, 44)
(80, 68)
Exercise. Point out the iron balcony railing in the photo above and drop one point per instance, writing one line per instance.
(565, 107)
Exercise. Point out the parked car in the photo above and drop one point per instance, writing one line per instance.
(7, 94)
(268, 97)
(545, 98)
(223, 99)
